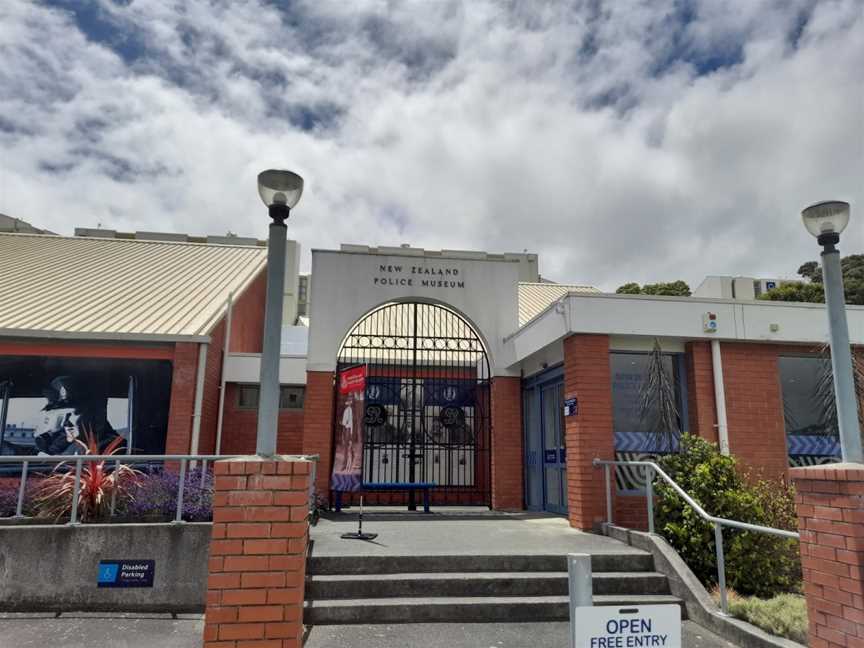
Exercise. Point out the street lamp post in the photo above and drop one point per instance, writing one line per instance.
(825, 221)
(280, 191)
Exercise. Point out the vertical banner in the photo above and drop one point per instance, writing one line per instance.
(348, 457)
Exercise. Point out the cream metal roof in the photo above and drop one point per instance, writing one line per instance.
(60, 286)
(534, 298)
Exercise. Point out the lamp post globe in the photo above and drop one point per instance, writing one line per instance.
(829, 217)
(826, 221)
(280, 191)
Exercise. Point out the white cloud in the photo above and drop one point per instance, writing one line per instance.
(621, 141)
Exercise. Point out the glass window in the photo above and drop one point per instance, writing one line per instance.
(247, 397)
(290, 397)
(806, 405)
(628, 372)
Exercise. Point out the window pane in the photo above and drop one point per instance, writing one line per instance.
(804, 410)
(291, 397)
(247, 397)
(628, 372)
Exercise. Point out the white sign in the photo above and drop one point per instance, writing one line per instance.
(647, 626)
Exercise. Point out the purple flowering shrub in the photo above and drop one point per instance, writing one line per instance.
(155, 497)
(9, 497)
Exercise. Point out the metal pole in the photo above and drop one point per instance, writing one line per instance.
(268, 401)
(180, 488)
(76, 493)
(649, 495)
(226, 349)
(114, 490)
(199, 398)
(721, 567)
(720, 398)
(841, 357)
(608, 494)
(581, 587)
(19, 509)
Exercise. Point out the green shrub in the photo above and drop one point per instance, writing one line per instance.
(784, 615)
(756, 563)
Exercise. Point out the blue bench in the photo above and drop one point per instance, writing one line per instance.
(393, 486)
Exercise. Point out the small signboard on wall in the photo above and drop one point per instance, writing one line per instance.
(571, 406)
(126, 573)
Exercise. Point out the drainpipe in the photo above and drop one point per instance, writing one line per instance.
(225, 349)
(199, 396)
(720, 398)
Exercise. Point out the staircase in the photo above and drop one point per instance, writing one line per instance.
(465, 588)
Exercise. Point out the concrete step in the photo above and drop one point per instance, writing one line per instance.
(461, 609)
(497, 584)
(603, 562)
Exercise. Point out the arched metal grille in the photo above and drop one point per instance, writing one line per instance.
(427, 400)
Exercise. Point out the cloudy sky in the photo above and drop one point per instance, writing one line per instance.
(621, 140)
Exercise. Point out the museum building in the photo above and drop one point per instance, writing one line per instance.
(497, 387)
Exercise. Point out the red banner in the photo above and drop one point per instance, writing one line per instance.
(352, 380)
(348, 455)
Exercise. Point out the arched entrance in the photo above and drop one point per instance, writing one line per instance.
(426, 413)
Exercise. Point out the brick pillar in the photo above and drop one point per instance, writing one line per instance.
(507, 443)
(700, 391)
(257, 567)
(754, 407)
(830, 503)
(182, 406)
(589, 433)
(318, 424)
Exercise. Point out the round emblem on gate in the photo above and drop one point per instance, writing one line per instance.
(451, 416)
(375, 415)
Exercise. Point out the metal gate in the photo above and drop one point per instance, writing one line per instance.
(427, 401)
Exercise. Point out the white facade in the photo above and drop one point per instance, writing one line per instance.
(349, 283)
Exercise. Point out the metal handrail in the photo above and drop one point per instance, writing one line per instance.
(117, 460)
(718, 522)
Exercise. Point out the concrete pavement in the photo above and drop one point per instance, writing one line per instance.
(92, 630)
(457, 533)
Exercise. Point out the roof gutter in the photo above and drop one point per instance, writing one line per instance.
(100, 336)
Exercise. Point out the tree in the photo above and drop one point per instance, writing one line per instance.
(812, 291)
(672, 288)
(629, 289)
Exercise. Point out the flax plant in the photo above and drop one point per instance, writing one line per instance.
(98, 485)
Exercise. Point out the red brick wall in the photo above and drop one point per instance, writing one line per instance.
(247, 319)
(210, 400)
(631, 511)
(754, 406)
(318, 424)
(240, 428)
(700, 391)
(507, 490)
(830, 504)
(589, 434)
(257, 564)
(182, 398)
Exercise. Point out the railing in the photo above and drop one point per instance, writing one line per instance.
(27, 462)
(651, 469)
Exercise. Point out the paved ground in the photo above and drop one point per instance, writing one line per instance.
(457, 533)
(162, 631)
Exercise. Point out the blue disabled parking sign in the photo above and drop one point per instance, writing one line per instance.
(646, 626)
(126, 573)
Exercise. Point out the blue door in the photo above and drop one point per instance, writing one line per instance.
(545, 453)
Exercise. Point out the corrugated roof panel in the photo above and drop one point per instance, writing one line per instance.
(534, 298)
(77, 285)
